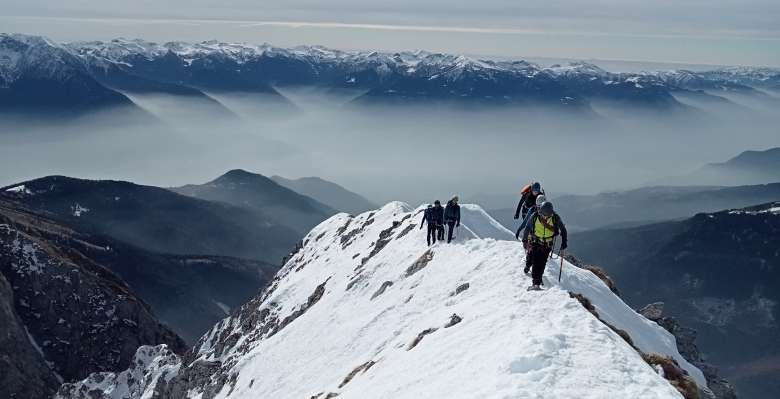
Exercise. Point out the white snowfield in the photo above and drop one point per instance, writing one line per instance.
(508, 343)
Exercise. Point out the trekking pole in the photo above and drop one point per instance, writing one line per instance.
(560, 270)
(552, 251)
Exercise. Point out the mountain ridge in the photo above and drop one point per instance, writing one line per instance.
(399, 305)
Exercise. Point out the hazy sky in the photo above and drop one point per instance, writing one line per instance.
(722, 32)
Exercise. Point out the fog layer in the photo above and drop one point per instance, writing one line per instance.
(412, 153)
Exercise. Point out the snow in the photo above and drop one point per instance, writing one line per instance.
(510, 343)
(150, 364)
(79, 210)
(20, 189)
(773, 208)
(225, 308)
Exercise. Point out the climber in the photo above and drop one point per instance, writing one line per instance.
(540, 199)
(434, 215)
(543, 226)
(438, 220)
(528, 199)
(426, 215)
(452, 216)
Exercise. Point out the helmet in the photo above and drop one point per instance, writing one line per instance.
(430, 206)
(546, 209)
(455, 199)
(536, 187)
(541, 199)
(437, 202)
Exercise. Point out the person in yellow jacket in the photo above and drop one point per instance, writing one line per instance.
(538, 239)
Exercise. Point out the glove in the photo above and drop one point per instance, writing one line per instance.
(457, 225)
(421, 226)
(564, 245)
(525, 245)
(517, 216)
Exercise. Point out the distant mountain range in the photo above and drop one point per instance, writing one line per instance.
(189, 69)
(718, 272)
(749, 167)
(37, 75)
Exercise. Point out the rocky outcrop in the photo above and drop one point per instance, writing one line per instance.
(151, 365)
(719, 388)
(78, 316)
(20, 360)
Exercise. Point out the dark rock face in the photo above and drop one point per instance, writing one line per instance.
(716, 273)
(20, 361)
(719, 388)
(82, 317)
(189, 293)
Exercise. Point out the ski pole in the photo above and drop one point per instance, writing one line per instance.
(560, 270)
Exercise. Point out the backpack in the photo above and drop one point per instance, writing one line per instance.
(526, 189)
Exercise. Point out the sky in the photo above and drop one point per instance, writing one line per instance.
(715, 32)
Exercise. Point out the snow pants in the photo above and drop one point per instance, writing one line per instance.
(538, 259)
(433, 232)
(450, 230)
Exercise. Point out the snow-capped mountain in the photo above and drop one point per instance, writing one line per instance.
(410, 75)
(407, 77)
(365, 309)
(38, 73)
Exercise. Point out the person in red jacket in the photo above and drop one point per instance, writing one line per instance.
(528, 199)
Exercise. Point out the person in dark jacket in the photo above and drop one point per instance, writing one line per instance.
(528, 199)
(538, 239)
(426, 215)
(434, 215)
(452, 216)
(540, 199)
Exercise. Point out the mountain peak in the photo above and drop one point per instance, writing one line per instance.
(241, 176)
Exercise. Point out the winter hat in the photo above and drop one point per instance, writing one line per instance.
(547, 209)
(536, 187)
(541, 199)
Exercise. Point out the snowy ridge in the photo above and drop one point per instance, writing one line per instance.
(150, 366)
(366, 310)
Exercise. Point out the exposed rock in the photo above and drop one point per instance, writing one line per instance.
(420, 263)
(362, 368)
(20, 362)
(382, 289)
(83, 318)
(454, 319)
(460, 288)
(670, 370)
(719, 388)
(406, 230)
(420, 336)
(151, 369)
(653, 311)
